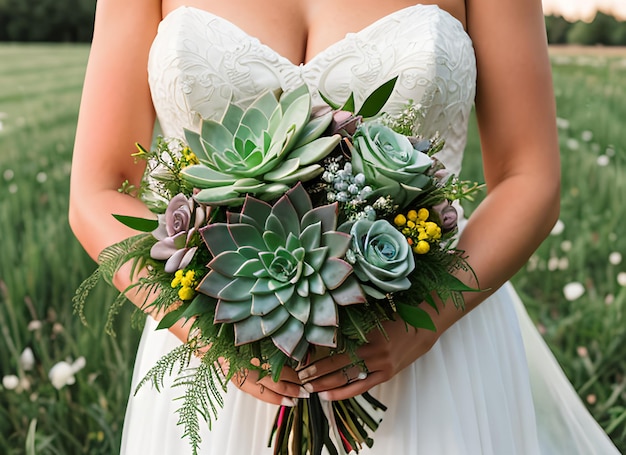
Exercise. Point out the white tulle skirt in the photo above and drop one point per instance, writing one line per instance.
(490, 386)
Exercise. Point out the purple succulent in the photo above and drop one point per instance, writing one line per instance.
(175, 234)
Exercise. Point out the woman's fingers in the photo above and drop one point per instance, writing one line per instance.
(322, 367)
(284, 392)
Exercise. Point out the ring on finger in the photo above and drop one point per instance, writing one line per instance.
(354, 372)
(241, 377)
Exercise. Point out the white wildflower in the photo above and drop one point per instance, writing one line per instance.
(563, 264)
(573, 291)
(10, 382)
(62, 373)
(603, 161)
(609, 299)
(586, 136)
(8, 175)
(41, 177)
(27, 359)
(566, 246)
(532, 264)
(572, 144)
(34, 325)
(615, 258)
(621, 279)
(558, 228)
(562, 123)
(553, 264)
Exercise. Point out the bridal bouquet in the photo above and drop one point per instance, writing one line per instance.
(280, 231)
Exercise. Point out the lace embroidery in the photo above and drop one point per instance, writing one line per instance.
(199, 61)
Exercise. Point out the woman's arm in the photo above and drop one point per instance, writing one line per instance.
(516, 115)
(116, 112)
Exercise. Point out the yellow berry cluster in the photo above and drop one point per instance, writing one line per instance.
(188, 157)
(187, 283)
(420, 232)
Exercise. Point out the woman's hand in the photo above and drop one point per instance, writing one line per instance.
(265, 389)
(337, 377)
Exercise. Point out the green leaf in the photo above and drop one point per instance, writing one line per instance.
(30, 438)
(277, 361)
(349, 104)
(375, 102)
(139, 224)
(332, 104)
(171, 318)
(415, 316)
(201, 304)
(454, 284)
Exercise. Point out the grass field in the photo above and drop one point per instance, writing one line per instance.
(574, 286)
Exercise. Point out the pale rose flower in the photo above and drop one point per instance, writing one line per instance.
(62, 373)
(10, 382)
(573, 291)
(27, 359)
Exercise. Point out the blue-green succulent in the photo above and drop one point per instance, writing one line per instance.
(262, 150)
(278, 272)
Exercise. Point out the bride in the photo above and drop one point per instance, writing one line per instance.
(484, 382)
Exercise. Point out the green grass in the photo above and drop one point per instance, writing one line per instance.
(41, 263)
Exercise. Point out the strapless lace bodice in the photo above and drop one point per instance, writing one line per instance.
(199, 62)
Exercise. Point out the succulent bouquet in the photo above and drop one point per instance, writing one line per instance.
(280, 230)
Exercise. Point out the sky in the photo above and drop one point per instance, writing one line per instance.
(584, 9)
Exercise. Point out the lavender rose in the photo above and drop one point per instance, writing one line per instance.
(447, 214)
(175, 233)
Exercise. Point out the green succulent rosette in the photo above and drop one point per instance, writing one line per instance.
(278, 272)
(390, 163)
(262, 150)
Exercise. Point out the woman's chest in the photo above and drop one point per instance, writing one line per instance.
(300, 30)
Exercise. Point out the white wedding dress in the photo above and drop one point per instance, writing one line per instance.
(489, 386)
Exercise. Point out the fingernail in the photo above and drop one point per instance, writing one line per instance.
(288, 402)
(308, 387)
(303, 393)
(324, 396)
(307, 372)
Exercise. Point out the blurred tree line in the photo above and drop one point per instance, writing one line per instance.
(46, 20)
(603, 30)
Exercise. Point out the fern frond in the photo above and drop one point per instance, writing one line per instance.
(180, 355)
(130, 249)
(81, 294)
(114, 310)
(205, 386)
